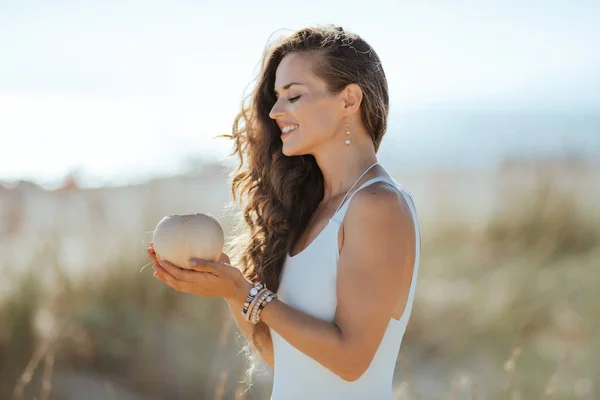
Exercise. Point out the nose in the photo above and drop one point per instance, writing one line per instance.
(277, 110)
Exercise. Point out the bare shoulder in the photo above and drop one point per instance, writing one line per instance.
(380, 204)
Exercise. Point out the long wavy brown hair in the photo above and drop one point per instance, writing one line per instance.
(278, 194)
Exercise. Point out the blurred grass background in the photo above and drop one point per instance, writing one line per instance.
(506, 308)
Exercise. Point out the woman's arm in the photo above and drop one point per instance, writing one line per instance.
(379, 243)
(235, 306)
(265, 342)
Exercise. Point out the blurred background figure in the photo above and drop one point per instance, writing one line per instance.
(108, 121)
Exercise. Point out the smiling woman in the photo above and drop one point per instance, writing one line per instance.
(327, 278)
(344, 270)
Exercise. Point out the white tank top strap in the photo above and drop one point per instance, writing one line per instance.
(354, 184)
(343, 207)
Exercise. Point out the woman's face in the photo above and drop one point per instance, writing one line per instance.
(305, 105)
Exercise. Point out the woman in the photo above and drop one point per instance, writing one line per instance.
(333, 237)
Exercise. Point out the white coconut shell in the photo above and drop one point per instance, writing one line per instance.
(177, 238)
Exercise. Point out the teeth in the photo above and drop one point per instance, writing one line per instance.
(289, 128)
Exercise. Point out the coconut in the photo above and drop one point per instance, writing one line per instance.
(177, 238)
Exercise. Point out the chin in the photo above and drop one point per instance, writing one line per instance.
(290, 150)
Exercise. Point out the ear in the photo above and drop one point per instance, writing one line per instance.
(353, 95)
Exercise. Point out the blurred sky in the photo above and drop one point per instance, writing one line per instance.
(129, 89)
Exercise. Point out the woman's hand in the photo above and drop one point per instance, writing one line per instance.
(206, 278)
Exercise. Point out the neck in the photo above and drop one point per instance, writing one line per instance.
(341, 166)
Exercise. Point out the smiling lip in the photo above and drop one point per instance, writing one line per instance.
(286, 134)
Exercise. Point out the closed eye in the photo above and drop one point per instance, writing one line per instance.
(294, 99)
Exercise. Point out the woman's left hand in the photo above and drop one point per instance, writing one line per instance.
(205, 278)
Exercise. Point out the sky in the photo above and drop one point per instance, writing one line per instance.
(125, 90)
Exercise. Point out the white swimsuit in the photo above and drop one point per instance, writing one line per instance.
(297, 376)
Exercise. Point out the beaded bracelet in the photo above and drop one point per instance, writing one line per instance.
(257, 299)
(251, 296)
(256, 312)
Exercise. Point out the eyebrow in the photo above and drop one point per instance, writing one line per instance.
(286, 87)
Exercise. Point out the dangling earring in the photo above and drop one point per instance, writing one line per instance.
(347, 133)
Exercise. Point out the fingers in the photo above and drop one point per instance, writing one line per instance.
(200, 265)
(176, 272)
(167, 279)
(163, 270)
(224, 259)
(154, 259)
(202, 281)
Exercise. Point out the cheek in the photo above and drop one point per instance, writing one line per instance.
(325, 122)
(320, 120)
